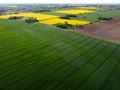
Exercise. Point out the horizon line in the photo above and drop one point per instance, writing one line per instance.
(60, 3)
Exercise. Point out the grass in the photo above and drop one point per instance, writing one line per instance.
(93, 17)
(48, 58)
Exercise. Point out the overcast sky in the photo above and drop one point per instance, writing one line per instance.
(61, 1)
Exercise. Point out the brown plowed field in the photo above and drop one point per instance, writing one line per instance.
(108, 30)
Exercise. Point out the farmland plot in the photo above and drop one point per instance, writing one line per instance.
(75, 11)
(48, 58)
(48, 19)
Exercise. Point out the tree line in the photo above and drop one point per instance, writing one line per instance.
(27, 20)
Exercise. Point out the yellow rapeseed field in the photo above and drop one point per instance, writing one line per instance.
(47, 19)
(75, 11)
(72, 22)
(38, 16)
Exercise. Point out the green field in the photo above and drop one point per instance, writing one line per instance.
(92, 17)
(48, 58)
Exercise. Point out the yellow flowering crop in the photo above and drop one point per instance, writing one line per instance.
(72, 22)
(47, 19)
(75, 11)
(38, 16)
(92, 7)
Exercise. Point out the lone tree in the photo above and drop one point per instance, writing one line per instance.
(64, 25)
(31, 20)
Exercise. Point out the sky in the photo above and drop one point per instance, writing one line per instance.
(62, 1)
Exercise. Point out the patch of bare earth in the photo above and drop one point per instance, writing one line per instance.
(108, 30)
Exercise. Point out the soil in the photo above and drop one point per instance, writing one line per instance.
(108, 30)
